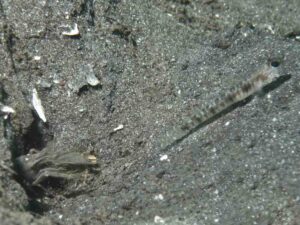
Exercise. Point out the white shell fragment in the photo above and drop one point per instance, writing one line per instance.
(92, 80)
(6, 110)
(158, 219)
(85, 75)
(159, 197)
(37, 58)
(73, 32)
(120, 127)
(164, 158)
(37, 105)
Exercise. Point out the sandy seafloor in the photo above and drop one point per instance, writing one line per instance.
(156, 62)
